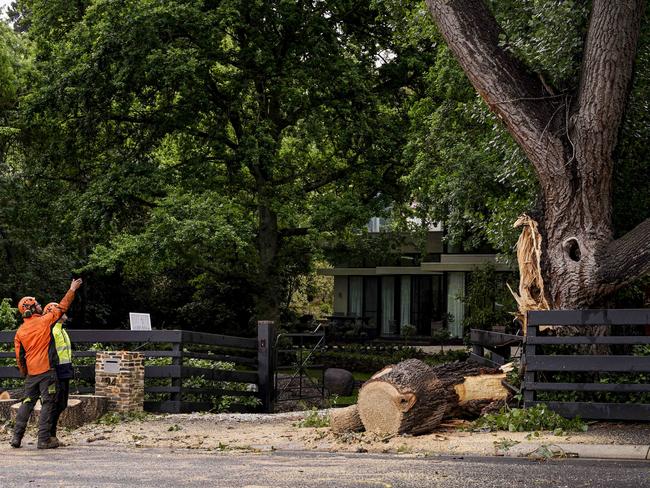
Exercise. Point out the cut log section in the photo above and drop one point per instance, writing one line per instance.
(94, 406)
(81, 409)
(411, 397)
(345, 420)
(5, 408)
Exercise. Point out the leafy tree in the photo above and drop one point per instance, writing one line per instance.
(563, 102)
(165, 128)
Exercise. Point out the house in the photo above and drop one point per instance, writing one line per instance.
(407, 286)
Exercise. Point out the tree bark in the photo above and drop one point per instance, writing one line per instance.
(345, 420)
(569, 140)
(5, 407)
(413, 398)
(93, 406)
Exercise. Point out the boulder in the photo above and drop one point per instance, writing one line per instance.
(339, 381)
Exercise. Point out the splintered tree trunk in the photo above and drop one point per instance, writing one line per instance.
(413, 398)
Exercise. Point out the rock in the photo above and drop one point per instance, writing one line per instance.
(339, 381)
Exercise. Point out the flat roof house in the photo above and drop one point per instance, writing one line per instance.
(422, 290)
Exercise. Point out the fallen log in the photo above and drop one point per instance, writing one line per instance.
(412, 397)
(345, 420)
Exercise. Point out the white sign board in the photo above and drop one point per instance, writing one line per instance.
(140, 321)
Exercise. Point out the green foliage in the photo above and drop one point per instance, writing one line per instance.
(539, 417)
(487, 300)
(546, 35)
(191, 156)
(8, 315)
(407, 331)
(115, 418)
(315, 419)
(222, 403)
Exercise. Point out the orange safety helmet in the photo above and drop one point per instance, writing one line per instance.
(50, 307)
(26, 306)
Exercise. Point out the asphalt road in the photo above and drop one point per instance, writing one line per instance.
(98, 466)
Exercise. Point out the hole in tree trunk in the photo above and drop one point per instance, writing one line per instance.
(573, 249)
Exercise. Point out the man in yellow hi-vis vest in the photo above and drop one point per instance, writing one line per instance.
(64, 370)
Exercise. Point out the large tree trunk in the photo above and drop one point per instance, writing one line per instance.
(413, 398)
(569, 139)
(267, 305)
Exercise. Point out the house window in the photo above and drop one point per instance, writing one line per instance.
(422, 303)
(388, 323)
(405, 300)
(455, 305)
(355, 296)
(371, 299)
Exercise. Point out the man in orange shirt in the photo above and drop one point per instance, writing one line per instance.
(36, 357)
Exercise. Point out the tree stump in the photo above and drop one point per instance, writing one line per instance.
(345, 420)
(413, 398)
(81, 410)
(5, 408)
(94, 406)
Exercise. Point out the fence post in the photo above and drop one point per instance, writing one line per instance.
(265, 343)
(529, 377)
(177, 398)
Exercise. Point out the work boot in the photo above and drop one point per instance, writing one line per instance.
(51, 443)
(15, 442)
(56, 439)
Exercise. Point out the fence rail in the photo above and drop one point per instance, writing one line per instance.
(172, 390)
(588, 362)
(497, 344)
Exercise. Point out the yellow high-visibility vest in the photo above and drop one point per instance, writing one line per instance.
(62, 343)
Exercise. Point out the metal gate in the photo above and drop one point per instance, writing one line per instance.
(299, 377)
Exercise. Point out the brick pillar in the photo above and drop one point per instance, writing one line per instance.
(119, 375)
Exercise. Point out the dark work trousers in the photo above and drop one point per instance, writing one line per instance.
(60, 402)
(38, 386)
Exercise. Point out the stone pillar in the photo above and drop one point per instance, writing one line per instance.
(119, 375)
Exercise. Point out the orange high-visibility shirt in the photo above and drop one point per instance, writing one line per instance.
(35, 350)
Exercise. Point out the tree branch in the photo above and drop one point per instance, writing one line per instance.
(627, 258)
(517, 97)
(607, 67)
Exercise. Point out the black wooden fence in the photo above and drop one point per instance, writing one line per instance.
(547, 355)
(175, 378)
(497, 345)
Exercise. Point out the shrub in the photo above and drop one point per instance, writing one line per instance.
(8, 315)
(539, 417)
(315, 419)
